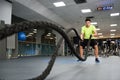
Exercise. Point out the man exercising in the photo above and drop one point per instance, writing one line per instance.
(86, 31)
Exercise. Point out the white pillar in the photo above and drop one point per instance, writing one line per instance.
(5, 15)
(61, 49)
(38, 40)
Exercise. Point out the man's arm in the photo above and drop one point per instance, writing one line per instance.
(81, 36)
(95, 33)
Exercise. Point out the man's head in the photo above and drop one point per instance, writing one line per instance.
(87, 22)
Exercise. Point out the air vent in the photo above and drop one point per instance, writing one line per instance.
(80, 1)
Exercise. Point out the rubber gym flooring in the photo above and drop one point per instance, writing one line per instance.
(65, 68)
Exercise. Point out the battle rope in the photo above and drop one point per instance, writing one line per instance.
(23, 26)
(51, 62)
(15, 28)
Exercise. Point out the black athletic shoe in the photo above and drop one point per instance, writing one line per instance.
(97, 60)
(78, 60)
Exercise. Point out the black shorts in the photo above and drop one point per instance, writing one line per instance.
(85, 42)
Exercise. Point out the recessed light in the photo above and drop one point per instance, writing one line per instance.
(31, 33)
(112, 30)
(99, 33)
(112, 34)
(114, 14)
(93, 23)
(28, 35)
(49, 33)
(113, 25)
(86, 10)
(59, 4)
(97, 29)
(34, 31)
(51, 38)
(100, 36)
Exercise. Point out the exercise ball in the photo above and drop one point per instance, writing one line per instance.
(21, 36)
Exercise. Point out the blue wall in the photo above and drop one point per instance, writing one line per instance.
(27, 49)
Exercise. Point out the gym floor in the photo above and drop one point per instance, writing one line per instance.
(65, 68)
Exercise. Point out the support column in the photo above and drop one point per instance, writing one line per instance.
(5, 15)
(38, 41)
(61, 50)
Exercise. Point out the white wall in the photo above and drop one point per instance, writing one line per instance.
(5, 11)
(5, 14)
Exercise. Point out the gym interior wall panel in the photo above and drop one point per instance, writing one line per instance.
(11, 42)
(5, 15)
(5, 11)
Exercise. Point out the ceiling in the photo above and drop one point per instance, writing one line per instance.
(72, 14)
(25, 13)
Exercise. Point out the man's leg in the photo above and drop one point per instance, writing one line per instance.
(96, 53)
(81, 51)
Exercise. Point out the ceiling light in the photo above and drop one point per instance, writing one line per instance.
(51, 38)
(100, 36)
(49, 33)
(113, 25)
(99, 33)
(93, 23)
(31, 33)
(86, 10)
(114, 14)
(97, 29)
(59, 4)
(112, 30)
(28, 35)
(112, 34)
(34, 31)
